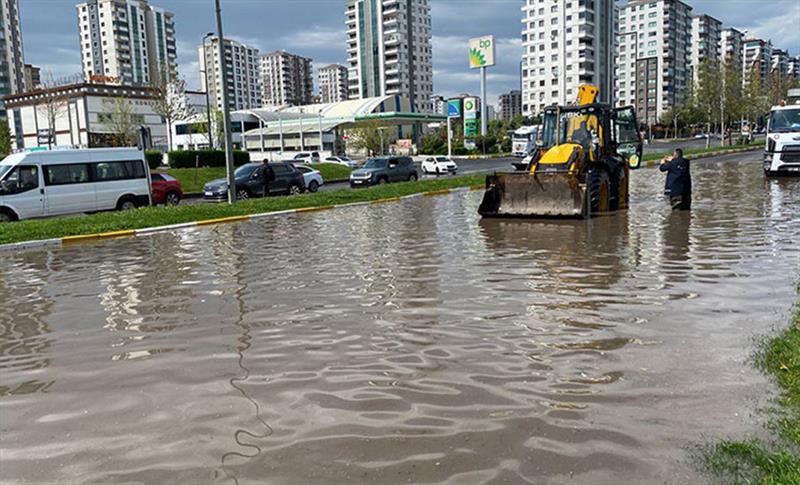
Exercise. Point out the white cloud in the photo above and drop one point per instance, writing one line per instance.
(314, 37)
(783, 32)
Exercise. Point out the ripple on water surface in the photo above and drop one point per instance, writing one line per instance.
(401, 342)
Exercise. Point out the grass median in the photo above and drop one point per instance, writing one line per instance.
(38, 229)
(193, 179)
(700, 151)
(774, 460)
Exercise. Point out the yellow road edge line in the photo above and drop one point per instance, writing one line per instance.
(477, 187)
(387, 199)
(101, 235)
(436, 192)
(222, 220)
(315, 209)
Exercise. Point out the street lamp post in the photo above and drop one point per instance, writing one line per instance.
(208, 102)
(321, 145)
(226, 114)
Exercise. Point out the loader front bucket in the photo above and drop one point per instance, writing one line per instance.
(544, 194)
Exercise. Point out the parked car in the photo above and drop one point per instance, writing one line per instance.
(165, 189)
(250, 182)
(439, 165)
(58, 182)
(306, 157)
(341, 160)
(383, 170)
(313, 178)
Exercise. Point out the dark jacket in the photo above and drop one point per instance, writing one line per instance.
(679, 177)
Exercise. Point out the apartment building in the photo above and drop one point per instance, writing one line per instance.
(731, 46)
(654, 56)
(243, 71)
(566, 44)
(793, 67)
(128, 42)
(757, 59)
(780, 62)
(705, 46)
(12, 71)
(389, 50)
(286, 79)
(332, 80)
(510, 105)
(438, 104)
(33, 76)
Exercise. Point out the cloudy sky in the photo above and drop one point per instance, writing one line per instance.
(315, 28)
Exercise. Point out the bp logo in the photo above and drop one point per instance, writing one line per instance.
(481, 52)
(469, 105)
(476, 58)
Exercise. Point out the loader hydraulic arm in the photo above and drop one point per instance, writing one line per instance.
(587, 94)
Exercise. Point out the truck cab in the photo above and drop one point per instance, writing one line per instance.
(782, 150)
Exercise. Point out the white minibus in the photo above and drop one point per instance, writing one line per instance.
(58, 182)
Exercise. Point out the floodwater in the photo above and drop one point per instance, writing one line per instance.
(407, 342)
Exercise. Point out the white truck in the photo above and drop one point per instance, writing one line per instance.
(782, 151)
(523, 140)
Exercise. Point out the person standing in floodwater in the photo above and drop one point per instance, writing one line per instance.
(268, 175)
(678, 186)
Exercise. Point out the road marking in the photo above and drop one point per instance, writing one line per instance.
(222, 220)
(387, 199)
(102, 235)
(314, 209)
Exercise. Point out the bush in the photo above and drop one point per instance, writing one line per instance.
(154, 158)
(208, 158)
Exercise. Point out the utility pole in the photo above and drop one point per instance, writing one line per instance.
(226, 112)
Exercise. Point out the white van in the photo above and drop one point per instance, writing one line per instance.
(49, 183)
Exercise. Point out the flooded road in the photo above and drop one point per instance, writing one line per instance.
(406, 342)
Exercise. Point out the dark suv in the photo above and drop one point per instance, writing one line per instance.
(250, 182)
(381, 170)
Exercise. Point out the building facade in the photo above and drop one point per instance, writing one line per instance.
(127, 42)
(756, 59)
(706, 43)
(287, 79)
(438, 104)
(653, 66)
(82, 115)
(12, 75)
(510, 105)
(389, 50)
(566, 44)
(780, 62)
(332, 80)
(243, 71)
(33, 77)
(731, 46)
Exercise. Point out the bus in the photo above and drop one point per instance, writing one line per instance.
(59, 182)
(523, 140)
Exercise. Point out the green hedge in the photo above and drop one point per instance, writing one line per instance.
(208, 158)
(154, 158)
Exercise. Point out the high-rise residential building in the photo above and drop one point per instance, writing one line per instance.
(286, 79)
(332, 83)
(566, 44)
(242, 68)
(127, 42)
(756, 59)
(33, 77)
(438, 104)
(510, 105)
(389, 50)
(730, 46)
(793, 67)
(12, 76)
(780, 62)
(654, 56)
(705, 45)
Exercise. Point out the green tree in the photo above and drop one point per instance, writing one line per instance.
(169, 93)
(5, 138)
(709, 95)
(119, 118)
(370, 137)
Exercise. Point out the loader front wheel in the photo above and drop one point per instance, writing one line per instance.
(598, 187)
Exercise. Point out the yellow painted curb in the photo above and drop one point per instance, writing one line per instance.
(436, 192)
(477, 187)
(102, 235)
(221, 220)
(314, 209)
(387, 199)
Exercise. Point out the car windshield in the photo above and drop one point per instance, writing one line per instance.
(784, 120)
(302, 168)
(375, 163)
(245, 171)
(301, 155)
(442, 159)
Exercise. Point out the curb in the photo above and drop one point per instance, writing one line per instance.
(654, 163)
(69, 240)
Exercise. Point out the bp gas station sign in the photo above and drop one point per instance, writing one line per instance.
(471, 121)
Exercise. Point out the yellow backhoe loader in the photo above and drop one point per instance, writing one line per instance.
(581, 169)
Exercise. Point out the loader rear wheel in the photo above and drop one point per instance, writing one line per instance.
(598, 187)
(619, 190)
